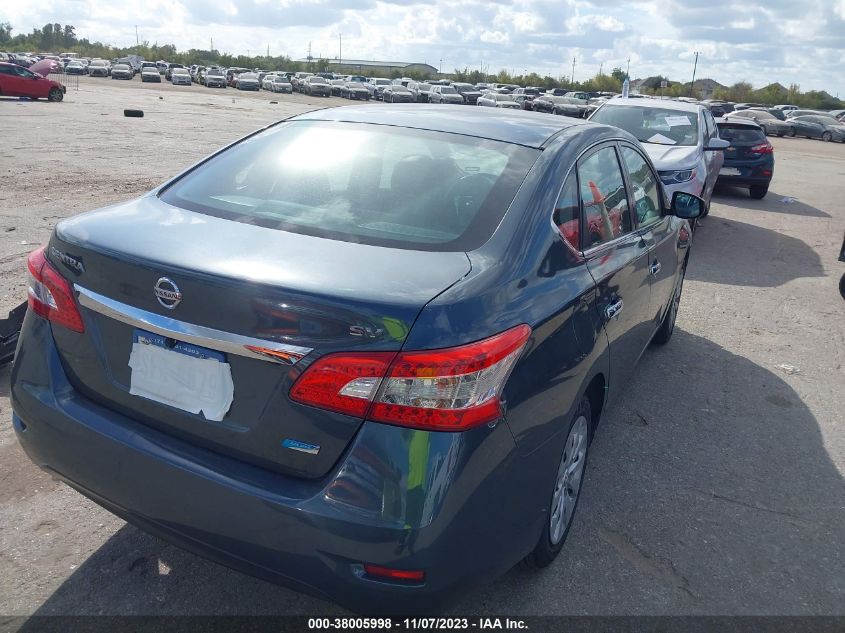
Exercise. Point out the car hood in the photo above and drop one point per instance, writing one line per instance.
(667, 157)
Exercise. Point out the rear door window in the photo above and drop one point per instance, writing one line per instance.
(604, 198)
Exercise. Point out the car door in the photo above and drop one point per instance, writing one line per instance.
(9, 82)
(712, 159)
(617, 258)
(656, 228)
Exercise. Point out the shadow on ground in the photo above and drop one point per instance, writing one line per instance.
(751, 255)
(773, 202)
(709, 490)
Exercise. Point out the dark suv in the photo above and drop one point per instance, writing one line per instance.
(750, 159)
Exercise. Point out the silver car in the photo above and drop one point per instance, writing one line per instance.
(680, 138)
(497, 100)
(445, 94)
(180, 77)
(215, 78)
(281, 83)
(122, 71)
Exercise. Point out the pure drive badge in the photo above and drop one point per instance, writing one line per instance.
(302, 447)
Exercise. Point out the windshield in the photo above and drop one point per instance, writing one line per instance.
(120, 67)
(380, 185)
(180, 71)
(503, 97)
(246, 76)
(281, 80)
(650, 124)
(317, 80)
(448, 90)
(399, 89)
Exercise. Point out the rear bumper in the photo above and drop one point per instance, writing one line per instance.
(748, 176)
(464, 524)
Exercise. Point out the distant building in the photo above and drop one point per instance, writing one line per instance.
(706, 87)
(352, 66)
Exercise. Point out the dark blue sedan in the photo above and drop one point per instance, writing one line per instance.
(361, 352)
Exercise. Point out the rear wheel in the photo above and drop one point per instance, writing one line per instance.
(791, 132)
(566, 489)
(758, 192)
(663, 335)
(55, 94)
(827, 137)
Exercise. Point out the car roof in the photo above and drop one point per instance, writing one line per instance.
(663, 104)
(738, 122)
(510, 126)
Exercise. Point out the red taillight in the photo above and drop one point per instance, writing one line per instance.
(388, 573)
(343, 382)
(50, 295)
(447, 389)
(763, 148)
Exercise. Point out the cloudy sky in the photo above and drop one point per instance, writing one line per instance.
(761, 41)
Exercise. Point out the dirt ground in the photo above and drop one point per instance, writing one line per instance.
(716, 487)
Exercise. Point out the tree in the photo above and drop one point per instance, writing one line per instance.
(618, 74)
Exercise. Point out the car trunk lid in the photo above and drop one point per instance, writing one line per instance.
(238, 283)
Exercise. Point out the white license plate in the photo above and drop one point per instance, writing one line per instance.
(180, 375)
(729, 171)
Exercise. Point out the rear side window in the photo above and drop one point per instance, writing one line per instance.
(380, 185)
(741, 134)
(567, 215)
(604, 198)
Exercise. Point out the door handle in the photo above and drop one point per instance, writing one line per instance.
(655, 268)
(612, 311)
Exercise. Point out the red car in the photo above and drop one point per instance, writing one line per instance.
(17, 81)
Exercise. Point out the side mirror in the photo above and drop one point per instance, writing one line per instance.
(686, 205)
(717, 145)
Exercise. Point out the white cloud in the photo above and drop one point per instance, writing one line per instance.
(757, 40)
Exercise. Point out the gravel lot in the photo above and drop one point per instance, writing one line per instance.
(715, 488)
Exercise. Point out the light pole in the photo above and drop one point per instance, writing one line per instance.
(694, 66)
(573, 70)
(628, 70)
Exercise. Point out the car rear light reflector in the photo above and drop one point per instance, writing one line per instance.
(388, 573)
(451, 389)
(762, 148)
(50, 295)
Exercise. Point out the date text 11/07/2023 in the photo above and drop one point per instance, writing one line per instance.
(413, 624)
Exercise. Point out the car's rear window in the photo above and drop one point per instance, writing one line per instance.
(380, 185)
(740, 134)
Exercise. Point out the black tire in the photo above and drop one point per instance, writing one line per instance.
(791, 132)
(827, 137)
(842, 286)
(758, 192)
(139, 114)
(546, 550)
(664, 333)
(55, 95)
